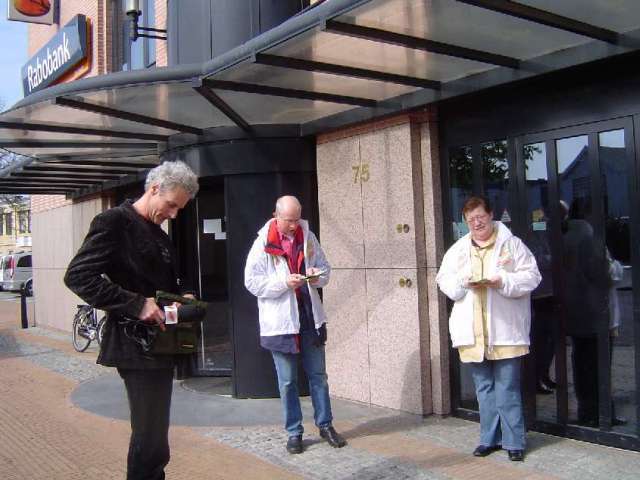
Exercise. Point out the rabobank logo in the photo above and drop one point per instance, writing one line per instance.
(50, 64)
(56, 58)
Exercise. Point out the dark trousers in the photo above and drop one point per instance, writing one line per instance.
(585, 378)
(149, 393)
(542, 325)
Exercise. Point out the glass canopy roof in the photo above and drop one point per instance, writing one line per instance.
(338, 63)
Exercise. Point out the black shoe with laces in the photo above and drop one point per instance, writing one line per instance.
(294, 444)
(332, 437)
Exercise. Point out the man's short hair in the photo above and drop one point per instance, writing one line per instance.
(171, 175)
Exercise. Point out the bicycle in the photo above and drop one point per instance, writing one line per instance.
(87, 328)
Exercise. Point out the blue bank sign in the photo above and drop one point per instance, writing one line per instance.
(63, 52)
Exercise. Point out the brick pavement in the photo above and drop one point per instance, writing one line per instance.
(44, 436)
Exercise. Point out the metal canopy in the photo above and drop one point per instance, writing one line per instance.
(338, 63)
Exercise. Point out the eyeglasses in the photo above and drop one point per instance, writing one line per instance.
(478, 218)
(291, 221)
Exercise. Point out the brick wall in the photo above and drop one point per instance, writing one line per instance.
(39, 35)
(42, 203)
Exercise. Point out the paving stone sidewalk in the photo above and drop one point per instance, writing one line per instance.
(44, 435)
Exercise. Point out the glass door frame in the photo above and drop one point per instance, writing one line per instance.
(591, 130)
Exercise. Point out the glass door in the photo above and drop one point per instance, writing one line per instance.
(578, 186)
(215, 352)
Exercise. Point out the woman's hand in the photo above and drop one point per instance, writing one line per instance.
(495, 282)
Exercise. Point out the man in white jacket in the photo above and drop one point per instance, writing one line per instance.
(284, 269)
(489, 274)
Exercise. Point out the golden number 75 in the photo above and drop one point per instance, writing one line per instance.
(360, 173)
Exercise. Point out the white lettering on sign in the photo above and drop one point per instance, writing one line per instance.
(49, 64)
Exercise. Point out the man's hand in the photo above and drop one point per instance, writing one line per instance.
(295, 280)
(152, 313)
(313, 271)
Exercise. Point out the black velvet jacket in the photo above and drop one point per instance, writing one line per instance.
(137, 257)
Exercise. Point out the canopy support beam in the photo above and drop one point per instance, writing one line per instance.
(343, 70)
(415, 43)
(543, 17)
(288, 93)
(39, 127)
(223, 106)
(121, 114)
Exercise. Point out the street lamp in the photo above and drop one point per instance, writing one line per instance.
(132, 10)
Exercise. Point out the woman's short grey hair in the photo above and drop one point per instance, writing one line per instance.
(171, 175)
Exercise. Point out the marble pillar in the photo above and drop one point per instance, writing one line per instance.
(376, 219)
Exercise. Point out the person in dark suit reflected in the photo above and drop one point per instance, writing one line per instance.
(587, 285)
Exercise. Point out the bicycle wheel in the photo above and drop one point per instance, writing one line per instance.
(101, 325)
(81, 339)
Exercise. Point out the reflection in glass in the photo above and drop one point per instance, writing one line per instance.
(495, 178)
(542, 298)
(585, 280)
(611, 150)
(461, 181)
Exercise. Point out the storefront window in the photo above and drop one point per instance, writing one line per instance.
(617, 209)
(8, 223)
(142, 52)
(23, 222)
(495, 178)
(543, 313)
(461, 180)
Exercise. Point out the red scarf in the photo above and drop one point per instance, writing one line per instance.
(274, 247)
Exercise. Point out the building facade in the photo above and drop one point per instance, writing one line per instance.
(548, 132)
(15, 226)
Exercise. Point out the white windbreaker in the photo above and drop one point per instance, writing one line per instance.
(508, 308)
(265, 276)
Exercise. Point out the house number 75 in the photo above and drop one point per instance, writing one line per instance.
(360, 173)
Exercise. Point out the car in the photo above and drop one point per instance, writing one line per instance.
(17, 271)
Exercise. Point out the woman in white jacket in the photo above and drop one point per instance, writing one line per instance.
(489, 274)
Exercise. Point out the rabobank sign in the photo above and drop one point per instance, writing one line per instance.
(63, 53)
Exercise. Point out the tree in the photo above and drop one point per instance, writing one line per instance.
(494, 162)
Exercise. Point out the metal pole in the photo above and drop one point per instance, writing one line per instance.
(23, 307)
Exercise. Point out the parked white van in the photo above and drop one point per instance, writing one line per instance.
(16, 271)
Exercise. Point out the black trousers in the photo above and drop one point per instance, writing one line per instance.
(585, 377)
(149, 393)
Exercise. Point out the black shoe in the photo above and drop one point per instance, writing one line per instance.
(549, 383)
(294, 444)
(617, 421)
(516, 455)
(589, 422)
(543, 389)
(332, 437)
(483, 450)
